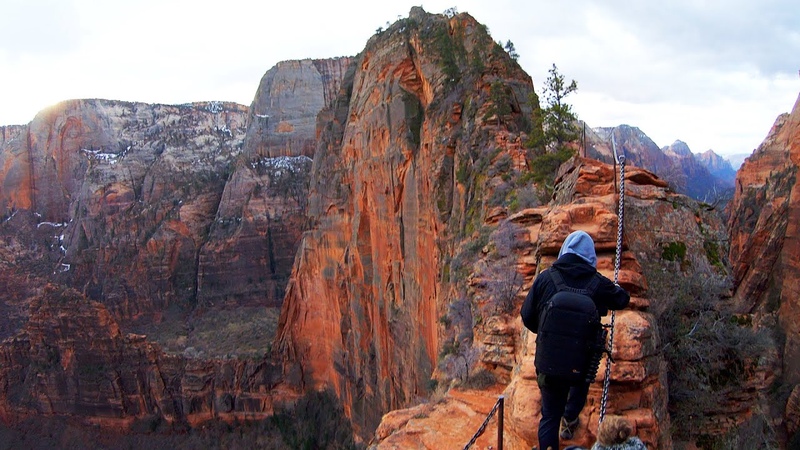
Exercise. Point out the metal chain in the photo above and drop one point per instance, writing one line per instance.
(617, 262)
(620, 215)
(485, 422)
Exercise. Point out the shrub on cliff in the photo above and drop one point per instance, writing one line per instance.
(316, 421)
(710, 352)
(502, 280)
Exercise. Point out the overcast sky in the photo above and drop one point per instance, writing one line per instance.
(714, 74)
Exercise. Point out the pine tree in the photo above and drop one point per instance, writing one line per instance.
(512, 52)
(553, 128)
(557, 117)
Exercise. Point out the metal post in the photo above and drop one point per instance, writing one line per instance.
(584, 140)
(500, 423)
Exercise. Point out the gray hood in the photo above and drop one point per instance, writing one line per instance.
(581, 244)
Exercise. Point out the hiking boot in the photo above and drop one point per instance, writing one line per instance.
(568, 427)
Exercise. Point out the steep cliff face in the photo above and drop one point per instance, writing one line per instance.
(72, 359)
(366, 291)
(153, 212)
(154, 206)
(763, 226)
(129, 189)
(248, 254)
(146, 209)
(283, 115)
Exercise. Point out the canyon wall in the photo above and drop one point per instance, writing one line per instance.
(363, 303)
(398, 257)
(119, 217)
(763, 227)
(159, 206)
(72, 359)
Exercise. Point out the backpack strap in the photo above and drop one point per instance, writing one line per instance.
(561, 285)
(594, 283)
(558, 280)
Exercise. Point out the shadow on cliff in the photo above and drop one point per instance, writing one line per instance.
(315, 421)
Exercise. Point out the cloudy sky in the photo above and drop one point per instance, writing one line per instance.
(714, 74)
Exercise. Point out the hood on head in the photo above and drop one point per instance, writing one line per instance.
(581, 244)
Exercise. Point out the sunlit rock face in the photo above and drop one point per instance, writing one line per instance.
(362, 307)
(158, 206)
(151, 213)
(129, 190)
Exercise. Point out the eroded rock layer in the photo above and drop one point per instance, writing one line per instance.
(366, 291)
(765, 243)
(71, 359)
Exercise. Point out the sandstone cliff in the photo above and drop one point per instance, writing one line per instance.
(157, 206)
(71, 359)
(129, 189)
(389, 195)
(763, 228)
(158, 214)
(585, 199)
(283, 115)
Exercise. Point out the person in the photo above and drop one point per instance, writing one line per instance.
(562, 399)
(615, 433)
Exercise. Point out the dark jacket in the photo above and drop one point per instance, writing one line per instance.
(576, 273)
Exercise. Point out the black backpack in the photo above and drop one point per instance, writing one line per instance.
(570, 338)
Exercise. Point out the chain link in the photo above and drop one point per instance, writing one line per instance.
(485, 423)
(617, 262)
(620, 215)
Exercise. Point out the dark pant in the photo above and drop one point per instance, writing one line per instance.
(559, 399)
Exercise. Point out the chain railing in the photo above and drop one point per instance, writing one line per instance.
(498, 408)
(617, 262)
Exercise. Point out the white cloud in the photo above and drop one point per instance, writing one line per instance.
(714, 74)
(43, 27)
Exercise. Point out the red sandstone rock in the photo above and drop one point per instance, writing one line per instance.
(71, 359)
(585, 199)
(368, 290)
(764, 244)
(762, 224)
(362, 307)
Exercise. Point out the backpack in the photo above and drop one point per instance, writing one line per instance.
(570, 338)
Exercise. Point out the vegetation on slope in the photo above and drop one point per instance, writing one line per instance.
(712, 354)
